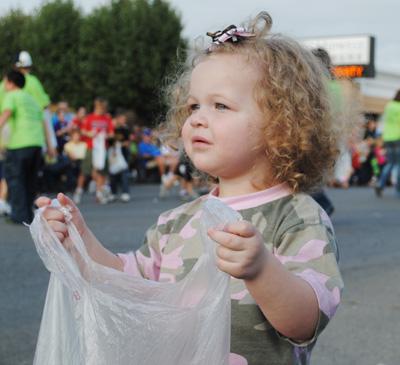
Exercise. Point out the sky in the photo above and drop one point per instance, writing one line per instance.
(296, 18)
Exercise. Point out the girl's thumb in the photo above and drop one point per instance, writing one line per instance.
(66, 202)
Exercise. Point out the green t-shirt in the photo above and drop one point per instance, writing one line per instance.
(25, 122)
(391, 126)
(35, 88)
(32, 87)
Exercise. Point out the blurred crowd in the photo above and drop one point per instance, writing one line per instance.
(105, 153)
(48, 147)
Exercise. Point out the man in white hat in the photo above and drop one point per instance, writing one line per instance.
(32, 84)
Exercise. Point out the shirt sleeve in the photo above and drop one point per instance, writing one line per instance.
(8, 103)
(38, 92)
(310, 252)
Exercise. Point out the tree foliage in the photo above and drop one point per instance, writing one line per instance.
(121, 51)
(14, 36)
(55, 34)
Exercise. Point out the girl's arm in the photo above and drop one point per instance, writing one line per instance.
(99, 253)
(290, 301)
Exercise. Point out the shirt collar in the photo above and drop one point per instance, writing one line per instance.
(252, 200)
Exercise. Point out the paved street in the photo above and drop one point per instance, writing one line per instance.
(366, 330)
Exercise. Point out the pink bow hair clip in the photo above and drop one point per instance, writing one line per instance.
(229, 34)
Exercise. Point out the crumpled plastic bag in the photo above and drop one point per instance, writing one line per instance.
(96, 315)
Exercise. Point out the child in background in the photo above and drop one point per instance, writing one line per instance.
(62, 128)
(95, 123)
(253, 113)
(119, 146)
(75, 150)
(149, 153)
(80, 115)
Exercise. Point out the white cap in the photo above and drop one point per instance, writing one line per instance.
(24, 59)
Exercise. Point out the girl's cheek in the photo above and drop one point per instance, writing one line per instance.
(185, 133)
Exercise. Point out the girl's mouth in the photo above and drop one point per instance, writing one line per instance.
(198, 140)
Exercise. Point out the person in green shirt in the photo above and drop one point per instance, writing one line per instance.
(391, 140)
(24, 146)
(34, 87)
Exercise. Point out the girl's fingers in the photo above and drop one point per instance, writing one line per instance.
(231, 268)
(60, 236)
(58, 227)
(229, 240)
(42, 201)
(241, 228)
(66, 202)
(53, 214)
(228, 255)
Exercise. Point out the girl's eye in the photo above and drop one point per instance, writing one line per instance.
(193, 107)
(220, 106)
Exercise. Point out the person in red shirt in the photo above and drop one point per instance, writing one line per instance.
(79, 118)
(96, 128)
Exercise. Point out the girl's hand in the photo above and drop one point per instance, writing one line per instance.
(241, 252)
(56, 219)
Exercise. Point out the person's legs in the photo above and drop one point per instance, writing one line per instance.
(125, 181)
(160, 164)
(33, 164)
(4, 207)
(397, 163)
(114, 179)
(390, 160)
(16, 173)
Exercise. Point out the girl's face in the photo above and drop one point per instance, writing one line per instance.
(222, 136)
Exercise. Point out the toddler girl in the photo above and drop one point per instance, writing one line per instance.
(253, 114)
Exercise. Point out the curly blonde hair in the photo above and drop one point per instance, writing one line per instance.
(300, 137)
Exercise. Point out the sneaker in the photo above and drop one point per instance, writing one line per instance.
(164, 179)
(5, 208)
(101, 197)
(77, 197)
(163, 191)
(125, 197)
(92, 187)
(111, 198)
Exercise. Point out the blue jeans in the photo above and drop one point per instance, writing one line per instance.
(21, 170)
(120, 180)
(392, 160)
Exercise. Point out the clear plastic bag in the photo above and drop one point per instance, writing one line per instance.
(95, 315)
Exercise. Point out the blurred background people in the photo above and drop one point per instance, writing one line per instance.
(149, 155)
(96, 128)
(320, 196)
(5, 208)
(119, 154)
(391, 140)
(24, 147)
(75, 151)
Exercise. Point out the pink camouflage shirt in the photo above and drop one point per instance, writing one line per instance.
(295, 229)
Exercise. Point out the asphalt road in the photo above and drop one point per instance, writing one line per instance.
(365, 331)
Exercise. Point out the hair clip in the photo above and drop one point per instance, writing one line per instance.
(230, 34)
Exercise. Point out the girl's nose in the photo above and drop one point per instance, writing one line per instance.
(198, 119)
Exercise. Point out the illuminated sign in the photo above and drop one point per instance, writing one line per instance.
(352, 56)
